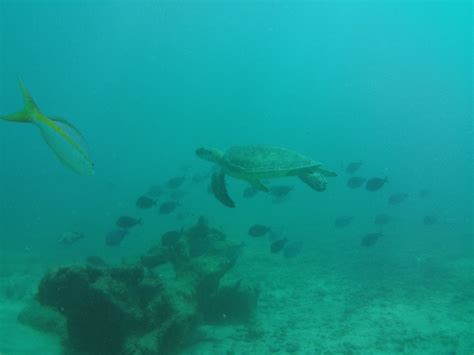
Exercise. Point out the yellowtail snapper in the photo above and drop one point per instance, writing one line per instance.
(65, 140)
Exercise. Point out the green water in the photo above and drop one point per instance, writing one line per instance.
(386, 83)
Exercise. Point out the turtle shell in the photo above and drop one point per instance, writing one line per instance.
(266, 159)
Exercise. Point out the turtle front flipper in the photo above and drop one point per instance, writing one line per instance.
(219, 189)
(258, 185)
(315, 180)
(326, 172)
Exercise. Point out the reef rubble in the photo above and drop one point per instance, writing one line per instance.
(126, 309)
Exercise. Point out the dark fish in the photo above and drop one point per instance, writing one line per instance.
(293, 249)
(69, 238)
(351, 168)
(168, 207)
(145, 202)
(219, 189)
(280, 190)
(429, 220)
(175, 182)
(343, 221)
(115, 237)
(95, 261)
(398, 198)
(355, 182)
(370, 239)
(382, 219)
(278, 245)
(170, 238)
(258, 230)
(249, 192)
(127, 222)
(155, 191)
(375, 184)
(424, 193)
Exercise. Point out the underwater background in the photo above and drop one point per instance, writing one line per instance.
(388, 84)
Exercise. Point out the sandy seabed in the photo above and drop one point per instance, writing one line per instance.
(309, 305)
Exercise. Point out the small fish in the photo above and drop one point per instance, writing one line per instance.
(170, 238)
(397, 198)
(343, 221)
(258, 230)
(370, 239)
(278, 245)
(127, 222)
(69, 238)
(375, 184)
(293, 249)
(429, 220)
(250, 192)
(95, 261)
(168, 207)
(115, 237)
(175, 182)
(155, 191)
(424, 193)
(280, 190)
(355, 182)
(382, 219)
(351, 168)
(144, 202)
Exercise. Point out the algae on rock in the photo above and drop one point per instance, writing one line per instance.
(115, 310)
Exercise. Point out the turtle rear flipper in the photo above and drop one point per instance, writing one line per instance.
(315, 180)
(219, 189)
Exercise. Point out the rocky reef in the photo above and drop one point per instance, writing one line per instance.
(129, 310)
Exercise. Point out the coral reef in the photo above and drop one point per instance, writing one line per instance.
(101, 306)
(125, 310)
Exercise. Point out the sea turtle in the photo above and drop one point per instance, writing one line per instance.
(253, 163)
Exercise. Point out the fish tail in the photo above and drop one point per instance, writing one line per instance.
(30, 105)
(21, 116)
(26, 115)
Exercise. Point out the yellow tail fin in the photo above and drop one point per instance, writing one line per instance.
(28, 111)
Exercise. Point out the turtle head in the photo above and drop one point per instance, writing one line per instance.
(210, 154)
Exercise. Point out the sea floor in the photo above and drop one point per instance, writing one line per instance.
(310, 305)
(306, 308)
